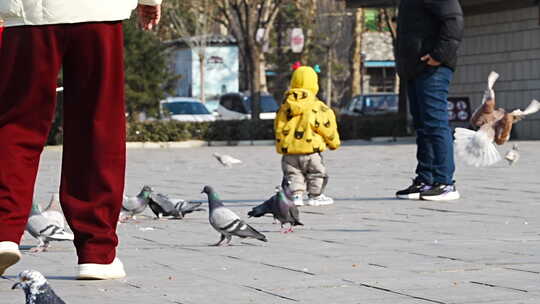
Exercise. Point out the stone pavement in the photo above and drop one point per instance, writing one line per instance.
(367, 248)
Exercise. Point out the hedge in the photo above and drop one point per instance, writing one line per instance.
(350, 127)
(217, 130)
(366, 127)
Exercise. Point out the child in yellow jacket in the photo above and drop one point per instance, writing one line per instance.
(304, 127)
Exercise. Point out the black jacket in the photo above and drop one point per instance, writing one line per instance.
(432, 27)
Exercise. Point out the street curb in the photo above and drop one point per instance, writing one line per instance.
(231, 143)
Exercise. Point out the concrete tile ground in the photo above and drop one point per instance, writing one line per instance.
(367, 248)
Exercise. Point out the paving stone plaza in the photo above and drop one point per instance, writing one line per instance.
(367, 248)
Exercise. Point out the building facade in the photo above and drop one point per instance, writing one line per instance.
(501, 36)
(221, 67)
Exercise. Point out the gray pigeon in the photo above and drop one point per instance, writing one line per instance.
(162, 206)
(46, 227)
(226, 160)
(131, 206)
(226, 222)
(36, 288)
(512, 156)
(281, 207)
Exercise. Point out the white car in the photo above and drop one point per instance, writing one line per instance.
(185, 109)
(238, 106)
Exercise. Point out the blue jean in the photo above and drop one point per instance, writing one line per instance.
(428, 93)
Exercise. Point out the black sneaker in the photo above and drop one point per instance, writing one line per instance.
(414, 190)
(441, 192)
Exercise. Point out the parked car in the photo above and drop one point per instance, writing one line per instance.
(238, 106)
(212, 105)
(371, 104)
(185, 109)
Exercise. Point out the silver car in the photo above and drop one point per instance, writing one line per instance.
(185, 109)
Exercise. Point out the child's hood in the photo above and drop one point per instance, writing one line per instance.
(304, 88)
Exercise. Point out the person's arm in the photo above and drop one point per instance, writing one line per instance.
(450, 15)
(149, 12)
(327, 127)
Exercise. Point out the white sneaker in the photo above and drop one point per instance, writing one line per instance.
(115, 270)
(298, 200)
(320, 200)
(9, 255)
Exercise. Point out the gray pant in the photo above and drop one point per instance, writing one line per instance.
(305, 172)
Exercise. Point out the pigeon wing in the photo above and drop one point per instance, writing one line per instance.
(261, 209)
(475, 148)
(222, 217)
(230, 160)
(55, 218)
(134, 205)
(165, 204)
(185, 207)
(40, 226)
(244, 230)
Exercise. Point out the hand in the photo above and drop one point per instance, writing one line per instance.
(149, 16)
(430, 61)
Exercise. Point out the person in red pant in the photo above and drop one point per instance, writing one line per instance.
(83, 38)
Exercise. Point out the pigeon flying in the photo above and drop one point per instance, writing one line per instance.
(477, 147)
(36, 288)
(46, 227)
(226, 160)
(226, 222)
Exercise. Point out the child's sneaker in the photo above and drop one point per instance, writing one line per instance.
(320, 200)
(115, 270)
(441, 192)
(298, 200)
(9, 255)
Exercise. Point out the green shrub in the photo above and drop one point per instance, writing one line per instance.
(223, 130)
(366, 127)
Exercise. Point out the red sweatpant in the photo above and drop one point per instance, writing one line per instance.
(93, 160)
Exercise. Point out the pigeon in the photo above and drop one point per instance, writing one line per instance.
(226, 222)
(512, 156)
(46, 226)
(36, 288)
(477, 148)
(226, 160)
(131, 206)
(162, 206)
(281, 207)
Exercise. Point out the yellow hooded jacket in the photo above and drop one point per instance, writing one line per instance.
(304, 124)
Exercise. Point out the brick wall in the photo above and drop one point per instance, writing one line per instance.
(509, 43)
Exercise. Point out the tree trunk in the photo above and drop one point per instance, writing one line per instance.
(202, 72)
(356, 58)
(309, 33)
(329, 79)
(262, 67)
(255, 80)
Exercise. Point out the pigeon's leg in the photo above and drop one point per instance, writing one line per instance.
(291, 228)
(159, 216)
(42, 246)
(229, 238)
(283, 230)
(220, 241)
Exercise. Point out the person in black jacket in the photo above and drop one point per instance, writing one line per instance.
(428, 37)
